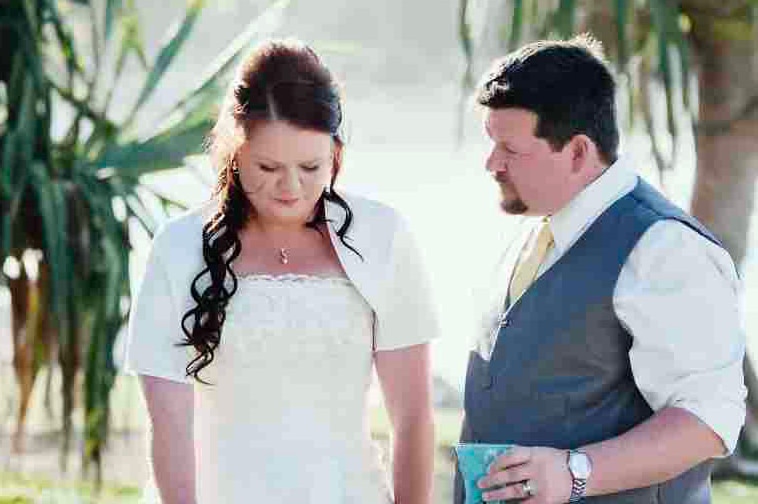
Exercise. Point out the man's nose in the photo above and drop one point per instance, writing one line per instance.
(493, 164)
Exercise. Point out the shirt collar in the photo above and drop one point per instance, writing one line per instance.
(572, 220)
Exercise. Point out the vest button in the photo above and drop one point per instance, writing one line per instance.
(487, 382)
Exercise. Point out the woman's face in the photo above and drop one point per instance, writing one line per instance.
(284, 170)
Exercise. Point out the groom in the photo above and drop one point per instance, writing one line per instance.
(613, 355)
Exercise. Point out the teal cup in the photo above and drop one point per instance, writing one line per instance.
(473, 461)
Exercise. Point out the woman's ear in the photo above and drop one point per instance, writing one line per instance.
(336, 160)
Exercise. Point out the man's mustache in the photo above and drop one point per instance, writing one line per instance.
(501, 178)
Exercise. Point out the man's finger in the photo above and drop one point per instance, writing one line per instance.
(513, 491)
(513, 474)
(518, 455)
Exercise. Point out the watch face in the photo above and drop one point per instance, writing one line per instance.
(580, 465)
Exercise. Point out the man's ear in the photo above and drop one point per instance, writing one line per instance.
(583, 153)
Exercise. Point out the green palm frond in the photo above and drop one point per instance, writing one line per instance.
(638, 23)
(175, 39)
(113, 9)
(218, 70)
(564, 18)
(517, 24)
(60, 195)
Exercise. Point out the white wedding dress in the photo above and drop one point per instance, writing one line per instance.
(286, 417)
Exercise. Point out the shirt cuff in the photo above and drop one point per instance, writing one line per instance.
(725, 419)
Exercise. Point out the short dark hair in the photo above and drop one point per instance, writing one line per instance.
(566, 83)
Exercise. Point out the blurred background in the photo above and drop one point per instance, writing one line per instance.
(103, 108)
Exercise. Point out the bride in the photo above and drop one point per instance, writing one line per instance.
(262, 313)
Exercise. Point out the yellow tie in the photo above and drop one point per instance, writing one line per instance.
(530, 260)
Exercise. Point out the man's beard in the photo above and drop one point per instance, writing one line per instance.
(513, 205)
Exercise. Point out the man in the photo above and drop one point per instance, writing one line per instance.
(614, 363)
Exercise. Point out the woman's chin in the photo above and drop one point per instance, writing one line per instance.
(286, 217)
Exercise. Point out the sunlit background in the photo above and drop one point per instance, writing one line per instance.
(409, 144)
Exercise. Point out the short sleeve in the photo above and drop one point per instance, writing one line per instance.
(407, 316)
(155, 327)
(678, 294)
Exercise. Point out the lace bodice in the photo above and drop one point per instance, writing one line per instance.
(285, 419)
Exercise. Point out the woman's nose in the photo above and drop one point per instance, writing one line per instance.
(291, 181)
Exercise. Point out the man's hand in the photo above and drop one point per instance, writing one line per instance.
(537, 474)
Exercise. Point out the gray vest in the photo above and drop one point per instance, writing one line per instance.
(559, 374)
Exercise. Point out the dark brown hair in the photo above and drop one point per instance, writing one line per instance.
(280, 80)
(566, 83)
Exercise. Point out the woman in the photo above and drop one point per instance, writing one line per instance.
(261, 314)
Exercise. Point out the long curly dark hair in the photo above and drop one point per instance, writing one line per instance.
(280, 80)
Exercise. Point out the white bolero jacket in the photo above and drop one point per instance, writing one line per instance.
(388, 274)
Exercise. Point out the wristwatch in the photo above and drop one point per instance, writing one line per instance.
(580, 467)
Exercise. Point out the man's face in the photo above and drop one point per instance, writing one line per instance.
(534, 179)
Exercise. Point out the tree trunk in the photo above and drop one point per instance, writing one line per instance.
(727, 140)
(26, 328)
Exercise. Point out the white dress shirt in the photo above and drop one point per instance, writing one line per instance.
(678, 296)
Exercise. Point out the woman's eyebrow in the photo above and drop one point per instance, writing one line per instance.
(266, 160)
(269, 161)
(313, 161)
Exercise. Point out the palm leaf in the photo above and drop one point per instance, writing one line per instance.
(564, 18)
(66, 41)
(100, 369)
(662, 13)
(623, 9)
(66, 189)
(176, 37)
(264, 24)
(162, 152)
(647, 116)
(622, 41)
(52, 209)
(517, 22)
(124, 188)
(112, 11)
(683, 47)
(28, 63)
(464, 35)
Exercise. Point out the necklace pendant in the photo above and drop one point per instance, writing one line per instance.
(283, 256)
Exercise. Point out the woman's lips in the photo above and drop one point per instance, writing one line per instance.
(287, 201)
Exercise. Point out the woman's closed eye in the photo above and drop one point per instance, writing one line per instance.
(267, 168)
(310, 168)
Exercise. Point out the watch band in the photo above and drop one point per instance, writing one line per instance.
(578, 485)
(578, 488)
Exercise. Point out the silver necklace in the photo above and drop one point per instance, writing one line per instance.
(284, 257)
